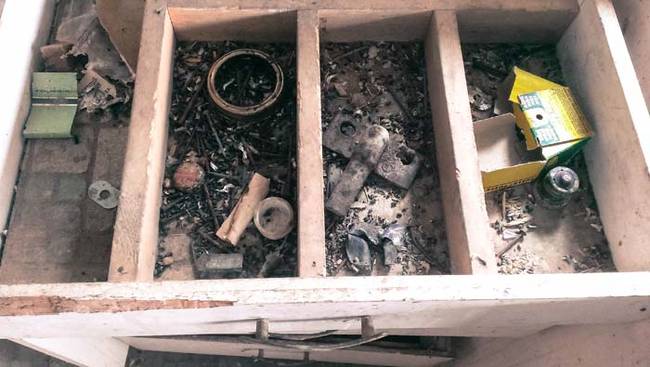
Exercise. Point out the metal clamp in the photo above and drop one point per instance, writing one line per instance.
(299, 342)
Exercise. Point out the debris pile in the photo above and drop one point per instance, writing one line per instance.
(487, 65)
(516, 219)
(222, 161)
(381, 86)
(82, 45)
(521, 216)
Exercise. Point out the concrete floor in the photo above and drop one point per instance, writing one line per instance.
(56, 233)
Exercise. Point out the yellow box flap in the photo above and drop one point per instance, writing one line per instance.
(525, 82)
(553, 116)
(511, 176)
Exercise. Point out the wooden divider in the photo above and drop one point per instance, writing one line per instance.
(633, 18)
(222, 23)
(135, 239)
(470, 249)
(311, 207)
(599, 69)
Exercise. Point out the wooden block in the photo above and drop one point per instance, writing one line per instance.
(244, 211)
(219, 265)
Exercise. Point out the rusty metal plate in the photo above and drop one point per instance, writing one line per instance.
(365, 156)
(398, 164)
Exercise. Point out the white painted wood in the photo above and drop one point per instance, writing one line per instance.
(83, 351)
(503, 305)
(617, 345)
(596, 63)
(634, 17)
(372, 356)
(24, 27)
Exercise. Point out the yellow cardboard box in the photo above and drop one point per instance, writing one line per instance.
(553, 126)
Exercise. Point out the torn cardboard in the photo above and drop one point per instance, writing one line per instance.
(553, 126)
(98, 93)
(56, 59)
(89, 38)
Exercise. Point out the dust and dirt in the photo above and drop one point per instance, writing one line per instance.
(230, 151)
(529, 237)
(384, 83)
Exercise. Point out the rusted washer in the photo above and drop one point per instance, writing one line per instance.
(244, 55)
(274, 218)
(188, 176)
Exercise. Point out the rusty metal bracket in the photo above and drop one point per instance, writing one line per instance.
(104, 194)
(366, 151)
(398, 164)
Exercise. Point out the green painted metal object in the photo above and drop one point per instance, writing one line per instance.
(54, 106)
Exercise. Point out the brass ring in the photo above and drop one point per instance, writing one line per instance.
(244, 111)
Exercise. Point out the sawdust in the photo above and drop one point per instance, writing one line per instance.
(386, 84)
(487, 65)
(532, 239)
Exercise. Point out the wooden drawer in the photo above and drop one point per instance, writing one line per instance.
(474, 300)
